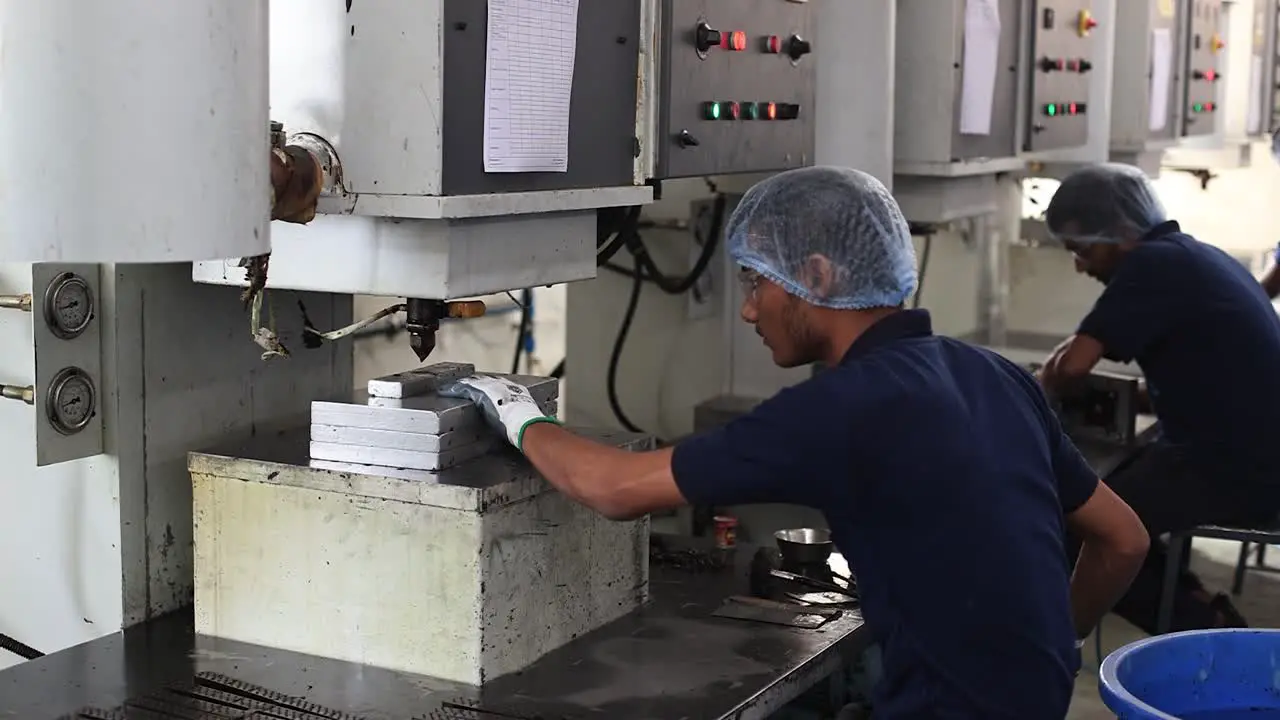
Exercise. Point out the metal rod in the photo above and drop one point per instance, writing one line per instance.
(16, 302)
(17, 392)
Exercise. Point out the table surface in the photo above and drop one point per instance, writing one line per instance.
(667, 661)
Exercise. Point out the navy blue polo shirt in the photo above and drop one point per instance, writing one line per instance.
(1208, 342)
(944, 477)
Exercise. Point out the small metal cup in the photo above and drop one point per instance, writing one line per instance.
(804, 546)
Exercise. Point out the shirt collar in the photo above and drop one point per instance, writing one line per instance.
(1165, 228)
(901, 325)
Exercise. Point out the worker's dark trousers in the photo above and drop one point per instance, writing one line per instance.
(1169, 496)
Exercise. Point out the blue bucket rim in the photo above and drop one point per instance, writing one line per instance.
(1109, 682)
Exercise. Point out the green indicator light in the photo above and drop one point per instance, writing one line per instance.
(1050, 109)
(1198, 107)
(711, 110)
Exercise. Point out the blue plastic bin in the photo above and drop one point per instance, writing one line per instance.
(1196, 675)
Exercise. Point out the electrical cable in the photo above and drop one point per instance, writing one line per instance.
(526, 315)
(611, 378)
(22, 650)
(649, 271)
(924, 268)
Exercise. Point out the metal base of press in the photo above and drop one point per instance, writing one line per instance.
(670, 659)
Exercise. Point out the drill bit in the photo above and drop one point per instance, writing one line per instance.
(422, 320)
(422, 343)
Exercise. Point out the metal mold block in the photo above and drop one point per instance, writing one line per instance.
(408, 459)
(419, 381)
(429, 414)
(338, 435)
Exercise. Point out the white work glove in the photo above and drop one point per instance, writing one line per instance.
(506, 405)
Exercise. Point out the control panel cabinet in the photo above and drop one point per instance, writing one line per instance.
(737, 87)
(1060, 74)
(1202, 23)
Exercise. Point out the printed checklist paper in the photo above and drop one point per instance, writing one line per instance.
(528, 82)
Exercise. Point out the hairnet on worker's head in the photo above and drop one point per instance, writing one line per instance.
(845, 216)
(1104, 201)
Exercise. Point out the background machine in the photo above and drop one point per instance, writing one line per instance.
(195, 192)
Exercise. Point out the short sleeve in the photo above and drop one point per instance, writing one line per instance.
(780, 452)
(1076, 479)
(1136, 309)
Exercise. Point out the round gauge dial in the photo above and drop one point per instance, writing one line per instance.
(72, 401)
(68, 305)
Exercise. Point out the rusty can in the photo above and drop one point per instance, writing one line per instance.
(726, 531)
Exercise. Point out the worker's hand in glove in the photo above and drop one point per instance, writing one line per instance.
(506, 405)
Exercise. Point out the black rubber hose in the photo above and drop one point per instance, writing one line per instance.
(924, 267)
(22, 650)
(611, 379)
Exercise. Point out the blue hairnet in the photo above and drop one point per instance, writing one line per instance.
(1104, 201)
(844, 215)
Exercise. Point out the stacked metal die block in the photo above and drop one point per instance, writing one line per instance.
(401, 422)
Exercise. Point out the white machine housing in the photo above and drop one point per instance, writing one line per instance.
(133, 131)
(946, 168)
(397, 90)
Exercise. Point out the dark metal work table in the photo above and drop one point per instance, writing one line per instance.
(668, 661)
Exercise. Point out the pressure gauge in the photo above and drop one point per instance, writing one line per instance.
(71, 400)
(68, 305)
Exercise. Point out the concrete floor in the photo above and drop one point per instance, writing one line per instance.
(1214, 561)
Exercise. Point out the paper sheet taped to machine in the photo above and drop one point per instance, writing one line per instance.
(1161, 77)
(528, 81)
(979, 66)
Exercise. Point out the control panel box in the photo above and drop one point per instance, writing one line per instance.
(1059, 74)
(937, 130)
(1146, 103)
(737, 86)
(1202, 34)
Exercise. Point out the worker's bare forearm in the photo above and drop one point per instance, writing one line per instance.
(1271, 282)
(613, 482)
(1103, 575)
(1073, 359)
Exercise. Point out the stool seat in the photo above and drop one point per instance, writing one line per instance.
(1180, 547)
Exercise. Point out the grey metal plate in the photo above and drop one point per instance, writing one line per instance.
(407, 459)
(749, 76)
(423, 442)
(667, 660)
(602, 113)
(1058, 79)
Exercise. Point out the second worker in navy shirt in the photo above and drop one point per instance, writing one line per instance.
(1208, 342)
(946, 479)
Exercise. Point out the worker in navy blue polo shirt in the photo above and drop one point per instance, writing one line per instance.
(1208, 342)
(944, 475)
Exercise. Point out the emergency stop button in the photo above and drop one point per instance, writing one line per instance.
(1085, 23)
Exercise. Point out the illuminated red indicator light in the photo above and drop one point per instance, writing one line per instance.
(771, 111)
(773, 44)
(736, 40)
(1210, 75)
(1072, 109)
(735, 110)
